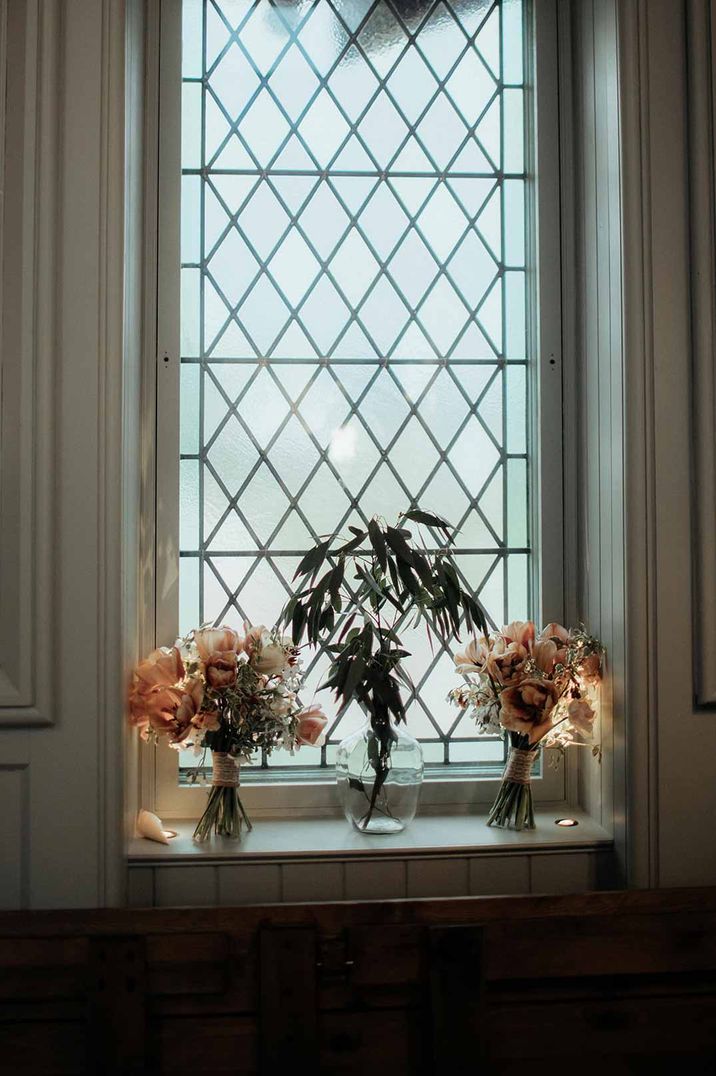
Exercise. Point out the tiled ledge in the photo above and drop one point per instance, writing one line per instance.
(318, 838)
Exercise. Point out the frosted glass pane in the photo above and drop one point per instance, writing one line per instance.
(265, 35)
(512, 40)
(441, 40)
(412, 84)
(189, 504)
(353, 83)
(517, 502)
(324, 220)
(190, 219)
(518, 599)
(383, 39)
(234, 81)
(294, 82)
(189, 405)
(515, 315)
(191, 38)
(191, 135)
(516, 378)
(354, 303)
(383, 130)
(189, 615)
(514, 130)
(514, 215)
(190, 316)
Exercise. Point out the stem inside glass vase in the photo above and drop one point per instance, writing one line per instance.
(380, 742)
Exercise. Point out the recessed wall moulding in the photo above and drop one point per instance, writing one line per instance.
(29, 63)
(701, 48)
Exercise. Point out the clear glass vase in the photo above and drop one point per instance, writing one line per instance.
(379, 787)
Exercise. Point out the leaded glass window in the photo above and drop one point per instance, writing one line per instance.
(353, 304)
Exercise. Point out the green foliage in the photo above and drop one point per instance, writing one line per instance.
(391, 580)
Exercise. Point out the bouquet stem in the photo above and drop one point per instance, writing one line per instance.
(513, 803)
(224, 812)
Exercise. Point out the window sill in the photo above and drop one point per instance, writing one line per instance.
(332, 838)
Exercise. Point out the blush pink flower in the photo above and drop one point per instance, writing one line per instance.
(218, 652)
(521, 632)
(545, 653)
(163, 668)
(311, 725)
(505, 662)
(558, 635)
(188, 705)
(527, 707)
(473, 657)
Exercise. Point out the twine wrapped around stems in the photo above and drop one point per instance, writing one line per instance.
(519, 766)
(224, 813)
(513, 804)
(225, 770)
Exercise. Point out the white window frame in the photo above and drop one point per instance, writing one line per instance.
(282, 796)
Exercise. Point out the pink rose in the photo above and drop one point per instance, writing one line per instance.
(505, 663)
(268, 654)
(192, 696)
(311, 723)
(206, 720)
(544, 653)
(218, 652)
(521, 632)
(527, 707)
(473, 657)
(558, 635)
(216, 641)
(163, 668)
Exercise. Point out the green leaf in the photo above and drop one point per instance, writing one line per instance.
(428, 518)
(370, 581)
(377, 540)
(351, 545)
(335, 581)
(355, 672)
(313, 560)
(408, 579)
(347, 627)
(400, 547)
(298, 623)
(420, 565)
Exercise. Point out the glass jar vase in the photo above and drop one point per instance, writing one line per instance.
(379, 787)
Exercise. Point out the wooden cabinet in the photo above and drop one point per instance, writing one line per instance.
(447, 986)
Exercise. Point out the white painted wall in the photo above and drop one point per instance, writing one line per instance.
(69, 490)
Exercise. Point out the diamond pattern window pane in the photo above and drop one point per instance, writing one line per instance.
(353, 308)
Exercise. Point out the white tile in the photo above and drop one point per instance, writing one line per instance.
(373, 880)
(437, 878)
(562, 872)
(249, 883)
(140, 887)
(493, 876)
(312, 881)
(185, 886)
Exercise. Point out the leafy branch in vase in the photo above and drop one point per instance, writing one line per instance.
(391, 580)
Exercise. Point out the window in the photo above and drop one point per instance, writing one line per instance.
(355, 328)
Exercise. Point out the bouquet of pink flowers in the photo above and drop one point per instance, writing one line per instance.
(230, 694)
(537, 689)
